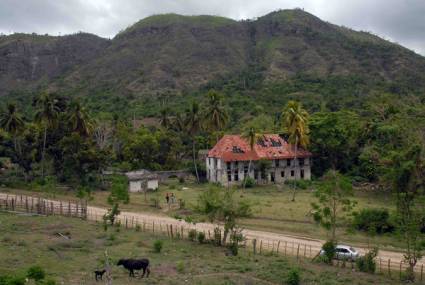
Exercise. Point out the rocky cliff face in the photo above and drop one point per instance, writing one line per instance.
(173, 52)
(27, 61)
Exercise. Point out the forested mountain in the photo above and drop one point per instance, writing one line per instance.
(257, 62)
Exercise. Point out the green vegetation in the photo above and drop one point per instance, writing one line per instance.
(180, 262)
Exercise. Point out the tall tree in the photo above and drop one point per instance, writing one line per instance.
(11, 121)
(194, 126)
(408, 176)
(47, 115)
(215, 115)
(333, 201)
(251, 136)
(295, 123)
(79, 119)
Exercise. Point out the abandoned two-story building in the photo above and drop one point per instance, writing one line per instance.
(228, 161)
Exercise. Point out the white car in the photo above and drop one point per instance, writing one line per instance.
(344, 252)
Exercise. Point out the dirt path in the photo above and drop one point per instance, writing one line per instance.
(291, 245)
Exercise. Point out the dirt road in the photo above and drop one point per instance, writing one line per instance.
(304, 246)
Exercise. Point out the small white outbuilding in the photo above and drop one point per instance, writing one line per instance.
(142, 181)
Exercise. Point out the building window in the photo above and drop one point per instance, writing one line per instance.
(292, 173)
(255, 174)
(229, 165)
(236, 175)
(272, 177)
(301, 162)
(263, 175)
(288, 162)
(302, 173)
(282, 174)
(229, 176)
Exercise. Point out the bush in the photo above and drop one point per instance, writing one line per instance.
(293, 277)
(367, 263)
(373, 220)
(192, 235)
(36, 272)
(201, 237)
(181, 180)
(329, 249)
(12, 280)
(180, 267)
(300, 184)
(157, 246)
(249, 182)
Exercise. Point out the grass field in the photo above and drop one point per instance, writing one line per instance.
(272, 207)
(30, 240)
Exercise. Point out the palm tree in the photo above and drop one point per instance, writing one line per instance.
(46, 115)
(295, 123)
(194, 125)
(12, 122)
(165, 119)
(79, 119)
(251, 136)
(215, 116)
(178, 123)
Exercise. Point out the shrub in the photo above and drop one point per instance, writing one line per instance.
(12, 280)
(329, 249)
(36, 272)
(181, 180)
(201, 237)
(157, 246)
(300, 184)
(249, 182)
(189, 219)
(293, 277)
(373, 220)
(180, 267)
(367, 262)
(138, 228)
(192, 235)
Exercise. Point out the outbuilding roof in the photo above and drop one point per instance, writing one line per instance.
(268, 146)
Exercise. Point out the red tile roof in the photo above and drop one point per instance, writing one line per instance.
(270, 146)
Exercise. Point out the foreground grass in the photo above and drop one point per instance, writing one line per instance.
(272, 207)
(29, 240)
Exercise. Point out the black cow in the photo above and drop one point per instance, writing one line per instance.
(98, 274)
(135, 264)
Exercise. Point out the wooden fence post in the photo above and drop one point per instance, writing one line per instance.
(422, 272)
(389, 267)
(254, 245)
(400, 270)
(380, 265)
(261, 246)
(286, 244)
(305, 250)
(153, 226)
(298, 251)
(277, 249)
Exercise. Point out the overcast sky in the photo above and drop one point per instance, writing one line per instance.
(401, 21)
